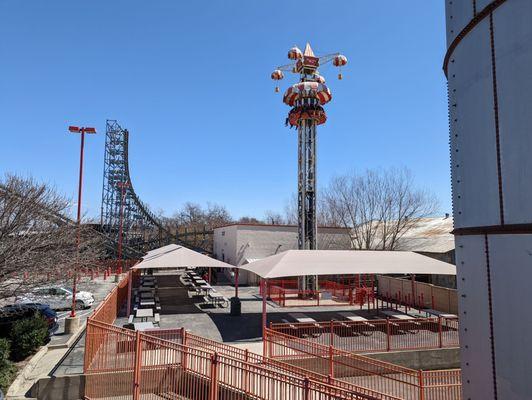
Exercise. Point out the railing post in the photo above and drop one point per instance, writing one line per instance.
(246, 372)
(331, 361)
(213, 395)
(331, 339)
(129, 284)
(184, 354)
(264, 345)
(387, 334)
(88, 345)
(270, 344)
(137, 366)
(306, 389)
(421, 385)
(440, 338)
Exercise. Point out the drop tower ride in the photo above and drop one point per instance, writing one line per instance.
(306, 99)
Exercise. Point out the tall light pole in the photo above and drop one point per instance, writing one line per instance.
(82, 131)
(123, 186)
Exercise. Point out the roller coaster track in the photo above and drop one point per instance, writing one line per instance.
(141, 229)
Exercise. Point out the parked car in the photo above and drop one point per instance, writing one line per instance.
(10, 314)
(57, 297)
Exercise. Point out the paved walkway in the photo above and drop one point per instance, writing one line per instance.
(218, 324)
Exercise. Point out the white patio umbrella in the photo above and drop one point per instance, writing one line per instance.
(343, 262)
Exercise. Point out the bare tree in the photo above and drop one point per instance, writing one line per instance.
(378, 206)
(38, 242)
(324, 216)
(290, 210)
(248, 220)
(274, 218)
(194, 222)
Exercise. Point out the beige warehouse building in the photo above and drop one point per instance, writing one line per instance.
(241, 244)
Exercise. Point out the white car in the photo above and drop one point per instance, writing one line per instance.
(57, 297)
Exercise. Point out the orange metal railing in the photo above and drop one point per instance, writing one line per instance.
(134, 365)
(351, 290)
(109, 308)
(247, 356)
(377, 335)
(106, 313)
(363, 371)
(173, 363)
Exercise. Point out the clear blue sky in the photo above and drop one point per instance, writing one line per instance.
(191, 81)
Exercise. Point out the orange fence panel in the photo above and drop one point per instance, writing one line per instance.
(173, 363)
(442, 385)
(159, 367)
(377, 335)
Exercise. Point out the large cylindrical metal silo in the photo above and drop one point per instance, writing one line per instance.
(489, 70)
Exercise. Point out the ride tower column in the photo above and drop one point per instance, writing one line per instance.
(306, 99)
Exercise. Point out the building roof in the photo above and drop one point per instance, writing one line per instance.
(344, 262)
(431, 235)
(276, 225)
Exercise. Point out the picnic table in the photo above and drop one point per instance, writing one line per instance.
(304, 333)
(144, 313)
(412, 327)
(397, 315)
(142, 326)
(440, 313)
(218, 299)
(357, 328)
(147, 303)
(300, 317)
(205, 288)
(352, 317)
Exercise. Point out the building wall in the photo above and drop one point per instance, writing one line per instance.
(490, 96)
(224, 244)
(240, 244)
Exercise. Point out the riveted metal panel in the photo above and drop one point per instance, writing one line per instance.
(511, 270)
(512, 38)
(481, 4)
(473, 139)
(458, 14)
(473, 306)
